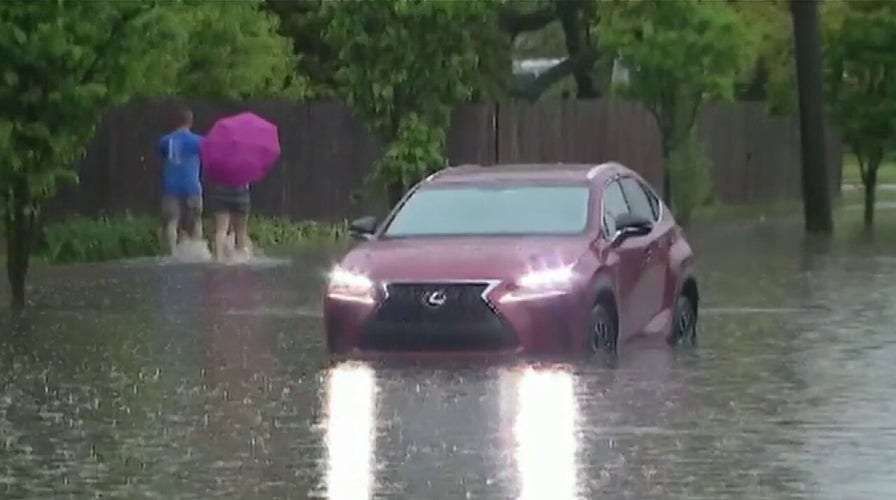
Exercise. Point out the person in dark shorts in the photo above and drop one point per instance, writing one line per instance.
(230, 205)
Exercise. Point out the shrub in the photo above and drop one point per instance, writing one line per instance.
(268, 232)
(690, 169)
(84, 239)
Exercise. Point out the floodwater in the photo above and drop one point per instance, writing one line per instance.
(149, 380)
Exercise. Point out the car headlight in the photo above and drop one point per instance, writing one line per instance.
(540, 284)
(351, 286)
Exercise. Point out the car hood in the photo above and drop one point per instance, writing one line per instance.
(432, 259)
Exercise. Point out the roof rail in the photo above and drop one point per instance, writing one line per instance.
(437, 173)
(592, 173)
(603, 166)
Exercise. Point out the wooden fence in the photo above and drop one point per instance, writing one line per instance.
(327, 153)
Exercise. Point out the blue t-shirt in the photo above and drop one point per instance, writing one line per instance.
(180, 175)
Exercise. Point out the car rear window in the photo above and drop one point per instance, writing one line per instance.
(493, 210)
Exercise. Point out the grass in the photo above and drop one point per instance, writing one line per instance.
(83, 239)
(281, 233)
(714, 213)
(886, 173)
(717, 212)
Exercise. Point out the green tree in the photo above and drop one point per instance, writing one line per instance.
(233, 50)
(304, 22)
(65, 61)
(861, 81)
(772, 78)
(680, 55)
(534, 28)
(403, 66)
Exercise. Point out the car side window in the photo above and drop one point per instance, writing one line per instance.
(654, 202)
(637, 198)
(614, 205)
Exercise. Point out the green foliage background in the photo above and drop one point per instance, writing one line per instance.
(404, 65)
(861, 84)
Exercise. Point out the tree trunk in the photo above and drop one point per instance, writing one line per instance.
(870, 182)
(815, 180)
(869, 206)
(666, 144)
(394, 191)
(570, 14)
(755, 89)
(18, 243)
(667, 185)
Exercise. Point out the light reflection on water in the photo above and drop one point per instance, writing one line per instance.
(350, 425)
(545, 431)
(539, 404)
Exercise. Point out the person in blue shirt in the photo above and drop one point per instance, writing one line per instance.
(181, 187)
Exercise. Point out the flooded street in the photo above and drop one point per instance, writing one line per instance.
(141, 380)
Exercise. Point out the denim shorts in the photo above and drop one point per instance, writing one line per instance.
(228, 199)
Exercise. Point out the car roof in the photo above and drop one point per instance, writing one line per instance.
(528, 172)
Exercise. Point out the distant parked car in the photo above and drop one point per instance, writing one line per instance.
(525, 258)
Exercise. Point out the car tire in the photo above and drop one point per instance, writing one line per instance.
(603, 333)
(684, 324)
(334, 348)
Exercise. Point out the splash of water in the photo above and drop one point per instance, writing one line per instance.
(190, 250)
(231, 255)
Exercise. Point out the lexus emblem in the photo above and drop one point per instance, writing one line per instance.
(435, 299)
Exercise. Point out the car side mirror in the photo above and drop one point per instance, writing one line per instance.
(629, 225)
(362, 228)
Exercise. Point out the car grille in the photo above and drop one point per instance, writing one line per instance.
(465, 321)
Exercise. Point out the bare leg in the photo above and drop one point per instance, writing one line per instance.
(193, 229)
(170, 219)
(194, 206)
(171, 235)
(241, 231)
(182, 226)
(222, 222)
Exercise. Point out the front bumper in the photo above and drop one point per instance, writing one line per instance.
(472, 320)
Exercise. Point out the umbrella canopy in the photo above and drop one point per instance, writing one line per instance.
(239, 150)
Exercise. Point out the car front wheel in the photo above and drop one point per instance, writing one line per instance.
(603, 330)
(684, 328)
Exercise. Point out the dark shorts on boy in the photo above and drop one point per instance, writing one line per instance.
(228, 199)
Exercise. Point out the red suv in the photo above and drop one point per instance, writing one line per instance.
(523, 258)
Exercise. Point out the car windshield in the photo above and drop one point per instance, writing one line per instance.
(493, 210)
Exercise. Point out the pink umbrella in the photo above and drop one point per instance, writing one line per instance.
(239, 150)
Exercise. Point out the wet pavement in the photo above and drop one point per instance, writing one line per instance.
(141, 380)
